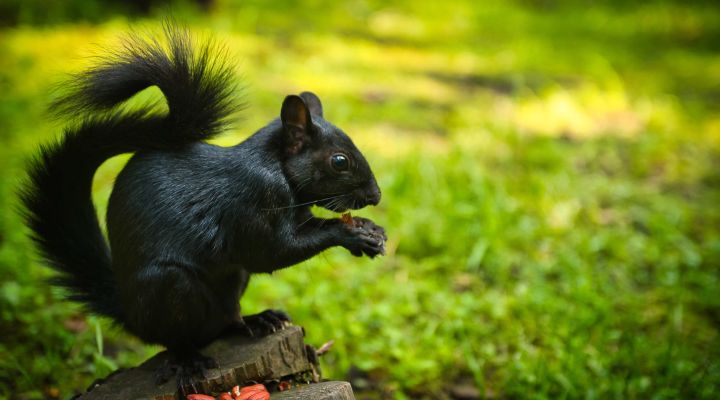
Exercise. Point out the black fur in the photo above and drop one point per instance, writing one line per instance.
(188, 222)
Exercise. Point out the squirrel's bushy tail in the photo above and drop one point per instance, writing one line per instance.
(57, 199)
(195, 83)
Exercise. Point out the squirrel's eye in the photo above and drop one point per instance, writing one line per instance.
(339, 162)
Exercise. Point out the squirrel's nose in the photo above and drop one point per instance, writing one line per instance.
(373, 196)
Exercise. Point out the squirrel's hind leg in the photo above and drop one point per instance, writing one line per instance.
(168, 304)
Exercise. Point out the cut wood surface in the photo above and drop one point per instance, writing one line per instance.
(240, 359)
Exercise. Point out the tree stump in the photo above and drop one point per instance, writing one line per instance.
(241, 361)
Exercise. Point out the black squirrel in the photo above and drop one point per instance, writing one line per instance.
(188, 222)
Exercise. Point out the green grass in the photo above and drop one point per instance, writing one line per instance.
(550, 188)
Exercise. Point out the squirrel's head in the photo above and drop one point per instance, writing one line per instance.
(321, 162)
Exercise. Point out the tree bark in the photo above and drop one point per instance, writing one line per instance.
(241, 361)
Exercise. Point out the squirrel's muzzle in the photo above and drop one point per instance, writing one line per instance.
(373, 196)
(370, 195)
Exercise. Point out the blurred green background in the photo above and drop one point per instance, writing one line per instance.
(550, 180)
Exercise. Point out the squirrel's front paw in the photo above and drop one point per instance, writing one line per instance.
(370, 227)
(365, 237)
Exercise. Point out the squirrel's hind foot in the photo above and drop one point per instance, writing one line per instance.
(184, 368)
(261, 324)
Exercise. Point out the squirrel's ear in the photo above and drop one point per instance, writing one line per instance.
(296, 122)
(313, 103)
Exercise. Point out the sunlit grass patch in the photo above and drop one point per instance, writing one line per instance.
(582, 112)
